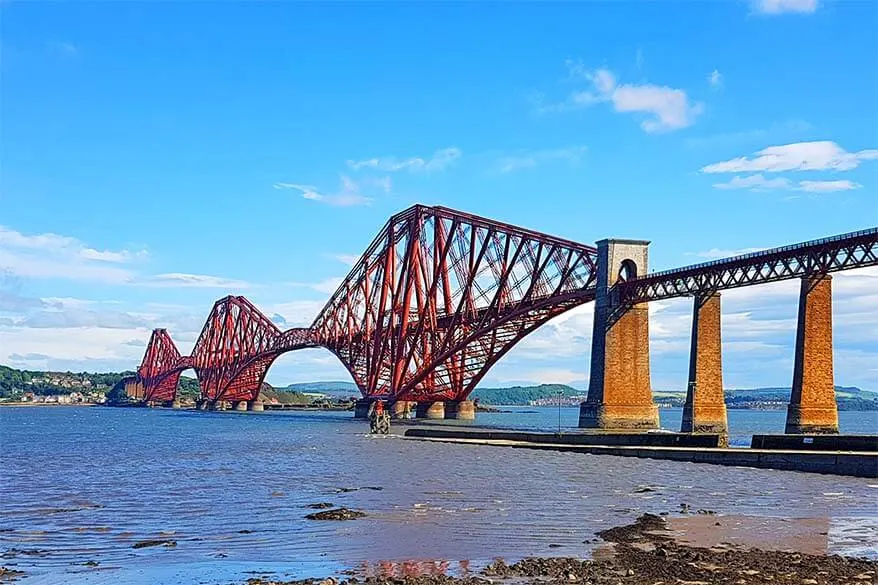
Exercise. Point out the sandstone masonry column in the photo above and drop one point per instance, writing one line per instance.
(619, 391)
(460, 410)
(434, 410)
(255, 405)
(705, 408)
(813, 408)
(402, 409)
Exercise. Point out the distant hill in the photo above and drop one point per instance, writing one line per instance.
(333, 388)
(14, 383)
(522, 395)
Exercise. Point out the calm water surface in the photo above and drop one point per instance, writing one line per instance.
(81, 484)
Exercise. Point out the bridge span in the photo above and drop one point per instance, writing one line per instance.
(440, 296)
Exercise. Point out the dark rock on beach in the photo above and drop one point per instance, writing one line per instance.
(336, 514)
(148, 543)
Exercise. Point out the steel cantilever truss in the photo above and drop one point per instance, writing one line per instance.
(842, 252)
(440, 296)
(160, 369)
(236, 347)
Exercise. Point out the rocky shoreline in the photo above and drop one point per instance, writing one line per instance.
(645, 553)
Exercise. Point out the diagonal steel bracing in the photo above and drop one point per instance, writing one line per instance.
(440, 295)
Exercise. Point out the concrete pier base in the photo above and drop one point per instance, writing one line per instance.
(255, 406)
(361, 408)
(432, 410)
(176, 404)
(403, 409)
(201, 404)
(460, 410)
(241, 406)
(705, 408)
(813, 409)
(218, 405)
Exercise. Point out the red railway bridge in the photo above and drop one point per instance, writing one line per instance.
(440, 296)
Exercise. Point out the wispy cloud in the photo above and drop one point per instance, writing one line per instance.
(728, 139)
(349, 259)
(760, 183)
(183, 280)
(715, 79)
(439, 161)
(784, 6)
(715, 253)
(822, 155)
(63, 49)
(531, 159)
(54, 256)
(348, 195)
(665, 108)
(50, 255)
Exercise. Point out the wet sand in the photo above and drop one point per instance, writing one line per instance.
(699, 549)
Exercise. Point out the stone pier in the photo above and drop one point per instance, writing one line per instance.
(176, 403)
(403, 409)
(619, 391)
(241, 406)
(361, 408)
(255, 405)
(705, 408)
(813, 408)
(460, 410)
(434, 410)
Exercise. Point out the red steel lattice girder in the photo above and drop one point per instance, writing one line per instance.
(842, 252)
(160, 369)
(236, 347)
(440, 296)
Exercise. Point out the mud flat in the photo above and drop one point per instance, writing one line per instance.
(657, 551)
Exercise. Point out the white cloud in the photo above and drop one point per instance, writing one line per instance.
(822, 155)
(827, 186)
(348, 195)
(49, 255)
(183, 280)
(715, 79)
(349, 259)
(755, 183)
(782, 6)
(715, 253)
(666, 108)
(760, 183)
(441, 160)
(528, 160)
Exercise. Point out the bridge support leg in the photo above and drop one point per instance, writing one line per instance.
(705, 408)
(361, 408)
(176, 403)
(241, 406)
(433, 410)
(403, 409)
(619, 391)
(813, 408)
(460, 410)
(255, 405)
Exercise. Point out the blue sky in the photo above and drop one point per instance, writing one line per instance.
(158, 156)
